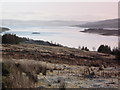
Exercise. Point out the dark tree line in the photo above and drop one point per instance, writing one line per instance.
(13, 39)
(10, 39)
(106, 49)
(116, 52)
(85, 48)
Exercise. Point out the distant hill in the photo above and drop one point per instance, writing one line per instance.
(112, 23)
(38, 23)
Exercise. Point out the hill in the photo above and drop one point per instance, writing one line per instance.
(112, 23)
(38, 23)
(58, 54)
(39, 66)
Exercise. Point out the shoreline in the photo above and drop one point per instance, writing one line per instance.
(104, 32)
(3, 29)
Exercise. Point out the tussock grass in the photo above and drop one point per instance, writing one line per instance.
(23, 73)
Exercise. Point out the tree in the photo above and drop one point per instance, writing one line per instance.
(85, 48)
(104, 49)
(5, 70)
(116, 52)
(10, 39)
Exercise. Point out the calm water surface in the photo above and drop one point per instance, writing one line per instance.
(67, 36)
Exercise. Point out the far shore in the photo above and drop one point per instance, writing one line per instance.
(3, 29)
(102, 32)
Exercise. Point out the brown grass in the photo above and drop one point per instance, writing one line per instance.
(23, 74)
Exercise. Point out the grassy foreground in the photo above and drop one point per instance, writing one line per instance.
(31, 65)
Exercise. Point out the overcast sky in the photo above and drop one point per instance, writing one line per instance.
(80, 11)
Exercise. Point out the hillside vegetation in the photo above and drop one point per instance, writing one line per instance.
(39, 64)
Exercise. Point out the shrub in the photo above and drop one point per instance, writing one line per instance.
(10, 39)
(5, 70)
(104, 49)
(116, 52)
(16, 78)
(5, 74)
(85, 48)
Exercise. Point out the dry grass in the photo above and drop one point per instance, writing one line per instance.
(23, 73)
(26, 61)
(61, 55)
